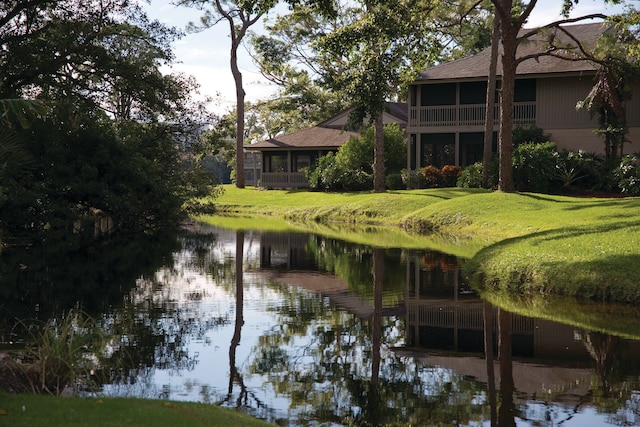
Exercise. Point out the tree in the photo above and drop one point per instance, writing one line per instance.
(487, 149)
(617, 60)
(383, 46)
(240, 15)
(115, 138)
(289, 56)
(512, 18)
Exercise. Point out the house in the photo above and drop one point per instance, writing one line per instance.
(447, 103)
(284, 157)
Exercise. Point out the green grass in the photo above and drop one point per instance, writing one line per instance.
(39, 410)
(523, 243)
(388, 208)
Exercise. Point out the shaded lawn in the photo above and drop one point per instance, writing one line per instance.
(39, 410)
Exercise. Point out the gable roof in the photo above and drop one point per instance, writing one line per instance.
(478, 65)
(329, 134)
(313, 137)
(396, 113)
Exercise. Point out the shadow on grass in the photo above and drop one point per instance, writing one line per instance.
(586, 203)
(613, 276)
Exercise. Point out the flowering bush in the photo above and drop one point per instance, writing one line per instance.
(431, 175)
(450, 175)
(628, 174)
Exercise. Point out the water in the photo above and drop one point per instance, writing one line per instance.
(307, 330)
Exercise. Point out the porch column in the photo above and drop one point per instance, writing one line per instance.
(418, 151)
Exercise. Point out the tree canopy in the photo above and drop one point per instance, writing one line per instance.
(116, 132)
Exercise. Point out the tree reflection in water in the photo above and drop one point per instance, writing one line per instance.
(327, 332)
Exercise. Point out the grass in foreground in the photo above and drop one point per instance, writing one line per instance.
(37, 410)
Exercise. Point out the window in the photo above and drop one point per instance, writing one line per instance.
(301, 160)
(473, 92)
(438, 94)
(438, 149)
(524, 90)
(275, 162)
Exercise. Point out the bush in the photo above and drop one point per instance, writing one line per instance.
(449, 175)
(413, 179)
(628, 174)
(331, 175)
(529, 134)
(577, 170)
(534, 166)
(471, 176)
(431, 175)
(394, 181)
(356, 180)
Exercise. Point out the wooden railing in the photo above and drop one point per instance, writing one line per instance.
(467, 115)
(284, 180)
(463, 316)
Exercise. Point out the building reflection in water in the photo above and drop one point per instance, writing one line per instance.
(448, 325)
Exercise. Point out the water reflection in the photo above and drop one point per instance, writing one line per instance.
(306, 330)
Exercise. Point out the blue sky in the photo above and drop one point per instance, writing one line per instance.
(205, 55)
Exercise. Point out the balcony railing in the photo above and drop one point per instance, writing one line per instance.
(467, 115)
(284, 180)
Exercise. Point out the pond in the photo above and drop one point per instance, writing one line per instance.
(301, 329)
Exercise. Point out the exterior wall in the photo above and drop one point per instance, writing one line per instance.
(554, 111)
(587, 140)
(557, 99)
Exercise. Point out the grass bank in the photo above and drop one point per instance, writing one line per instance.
(38, 410)
(521, 243)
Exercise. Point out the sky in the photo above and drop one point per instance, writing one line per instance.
(205, 55)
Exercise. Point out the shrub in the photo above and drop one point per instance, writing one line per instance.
(431, 175)
(355, 180)
(394, 181)
(413, 179)
(628, 174)
(471, 176)
(529, 134)
(449, 175)
(534, 166)
(577, 170)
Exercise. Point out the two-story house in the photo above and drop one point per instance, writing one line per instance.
(447, 103)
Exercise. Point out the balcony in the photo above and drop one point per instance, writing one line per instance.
(524, 113)
(284, 180)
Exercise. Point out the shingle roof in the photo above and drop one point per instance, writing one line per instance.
(324, 135)
(399, 110)
(313, 137)
(478, 65)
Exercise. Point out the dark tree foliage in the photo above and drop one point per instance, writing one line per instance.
(117, 134)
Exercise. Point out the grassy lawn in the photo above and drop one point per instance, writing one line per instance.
(38, 410)
(522, 243)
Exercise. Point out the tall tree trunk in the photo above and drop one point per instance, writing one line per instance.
(378, 155)
(376, 339)
(240, 93)
(234, 374)
(507, 407)
(487, 151)
(488, 354)
(509, 33)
